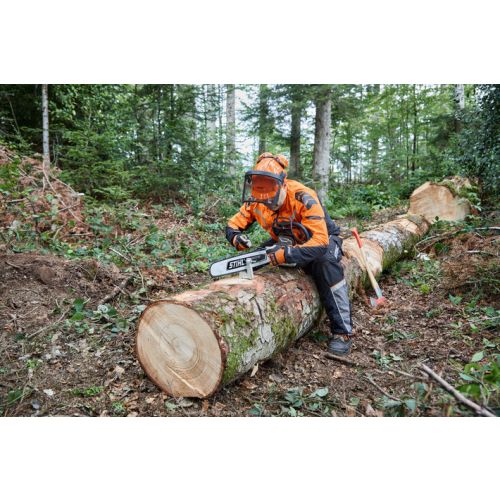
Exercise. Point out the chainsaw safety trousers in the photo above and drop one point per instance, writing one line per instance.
(328, 274)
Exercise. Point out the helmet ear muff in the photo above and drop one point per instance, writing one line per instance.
(282, 160)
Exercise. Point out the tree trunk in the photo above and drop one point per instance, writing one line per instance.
(407, 136)
(263, 118)
(415, 131)
(45, 126)
(459, 98)
(295, 167)
(322, 135)
(220, 106)
(194, 342)
(231, 130)
(159, 155)
(211, 111)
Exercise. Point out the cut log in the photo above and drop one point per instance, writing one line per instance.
(442, 200)
(193, 343)
(197, 340)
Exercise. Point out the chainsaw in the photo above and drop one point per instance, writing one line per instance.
(245, 263)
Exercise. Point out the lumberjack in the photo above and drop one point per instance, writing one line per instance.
(302, 234)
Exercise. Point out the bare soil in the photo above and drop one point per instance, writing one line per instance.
(59, 369)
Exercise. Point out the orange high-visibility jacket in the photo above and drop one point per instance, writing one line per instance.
(301, 205)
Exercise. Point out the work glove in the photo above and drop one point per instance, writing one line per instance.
(241, 242)
(276, 254)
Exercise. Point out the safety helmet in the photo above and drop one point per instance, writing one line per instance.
(266, 182)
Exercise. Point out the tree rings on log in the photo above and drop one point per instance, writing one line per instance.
(432, 200)
(178, 350)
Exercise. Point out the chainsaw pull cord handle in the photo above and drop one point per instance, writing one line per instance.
(374, 283)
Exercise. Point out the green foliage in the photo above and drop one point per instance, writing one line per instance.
(118, 408)
(477, 146)
(384, 360)
(314, 402)
(123, 234)
(482, 377)
(167, 142)
(360, 200)
(88, 392)
(407, 405)
(9, 179)
(14, 396)
(397, 335)
(118, 141)
(423, 275)
(294, 402)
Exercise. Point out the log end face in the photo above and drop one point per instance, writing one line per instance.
(179, 351)
(434, 200)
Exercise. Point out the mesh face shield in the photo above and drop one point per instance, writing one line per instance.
(262, 187)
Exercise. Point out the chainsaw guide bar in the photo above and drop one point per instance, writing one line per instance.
(239, 263)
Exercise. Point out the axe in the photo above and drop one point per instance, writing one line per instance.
(380, 299)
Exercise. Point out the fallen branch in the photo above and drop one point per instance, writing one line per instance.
(437, 237)
(118, 289)
(386, 394)
(13, 265)
(482, 253)
(443, 236)
(340, 359)
(50, 325)
(400, 372)
(58, 195)
(483, 412)
(120, 254)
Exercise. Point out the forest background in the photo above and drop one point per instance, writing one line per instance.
(188, 143)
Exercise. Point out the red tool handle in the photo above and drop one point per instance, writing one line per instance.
(354, 232)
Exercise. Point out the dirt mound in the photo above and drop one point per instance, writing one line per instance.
(470, 265)
(37, 196)
(40, 335)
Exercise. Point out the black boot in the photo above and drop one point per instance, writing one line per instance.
(340, 345)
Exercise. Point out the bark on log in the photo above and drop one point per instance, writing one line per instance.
(192, 343)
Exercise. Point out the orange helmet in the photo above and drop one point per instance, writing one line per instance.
(271, 163)
(266, 183)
